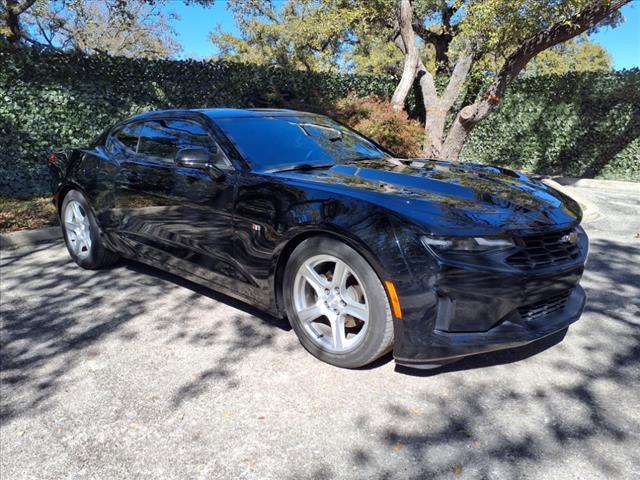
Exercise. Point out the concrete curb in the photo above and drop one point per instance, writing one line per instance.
(617, 185)
(25, 238)
(590, 212)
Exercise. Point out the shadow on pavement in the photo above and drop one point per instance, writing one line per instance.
(501, 421)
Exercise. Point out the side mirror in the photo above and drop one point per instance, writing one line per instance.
(200, 158)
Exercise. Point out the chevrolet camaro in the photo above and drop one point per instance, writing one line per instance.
(305, 218)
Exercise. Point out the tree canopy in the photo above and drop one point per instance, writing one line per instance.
(134, 28)
(575, 55)
(301, 34)
(459, 55)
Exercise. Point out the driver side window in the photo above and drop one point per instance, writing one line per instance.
(162, 139)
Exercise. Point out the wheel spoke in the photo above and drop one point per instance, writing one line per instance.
(73, 240)
(337, 332)
(78, 245)
(73, 226)
(357, 310)
(314, 279)
(340, 274)
(86, 239)
(309, 314)
(75, 208)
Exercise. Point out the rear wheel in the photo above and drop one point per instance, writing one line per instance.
(81, 233)
(336, 304)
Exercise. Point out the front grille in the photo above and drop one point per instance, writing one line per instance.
(545, 307)
(544, 250)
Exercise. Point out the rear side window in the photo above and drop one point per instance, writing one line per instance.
(127, 137)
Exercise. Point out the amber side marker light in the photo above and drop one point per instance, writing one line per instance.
(395, 301)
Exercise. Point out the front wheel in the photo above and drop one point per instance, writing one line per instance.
(336, 304)
(81, 233)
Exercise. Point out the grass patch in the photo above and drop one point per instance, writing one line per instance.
(26, 214)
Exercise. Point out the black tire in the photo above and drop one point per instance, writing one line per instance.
(378, 337)
(97, 256)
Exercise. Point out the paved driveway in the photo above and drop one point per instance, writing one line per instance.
(132, 373)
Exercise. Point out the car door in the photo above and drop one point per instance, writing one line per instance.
(178, 217)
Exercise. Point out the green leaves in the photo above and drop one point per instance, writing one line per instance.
(585, 124)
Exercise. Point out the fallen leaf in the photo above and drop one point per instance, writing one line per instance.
(397, 446)
(226, 413)
(457, 469)
(261, 418)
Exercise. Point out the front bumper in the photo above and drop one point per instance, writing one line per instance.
(441, 347)
(465, 304)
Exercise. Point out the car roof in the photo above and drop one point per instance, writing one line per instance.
(218, 113)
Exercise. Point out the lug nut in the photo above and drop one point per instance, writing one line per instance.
(343, 303)
(326, 291)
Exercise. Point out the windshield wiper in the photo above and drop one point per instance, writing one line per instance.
(305, 167)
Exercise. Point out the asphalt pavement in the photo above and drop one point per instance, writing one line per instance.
(134, 373)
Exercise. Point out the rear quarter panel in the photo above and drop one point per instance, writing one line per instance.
(91, 171)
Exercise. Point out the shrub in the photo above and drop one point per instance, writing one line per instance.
(375, 118)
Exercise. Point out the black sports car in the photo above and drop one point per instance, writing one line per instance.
(305, 218)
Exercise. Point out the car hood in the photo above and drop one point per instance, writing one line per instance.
(449, 198)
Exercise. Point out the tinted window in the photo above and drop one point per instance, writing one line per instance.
(164, 138)
(273, 143)
(157, 140)
(188, 134)
(128, 137)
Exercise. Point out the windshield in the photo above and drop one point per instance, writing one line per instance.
(284, 142)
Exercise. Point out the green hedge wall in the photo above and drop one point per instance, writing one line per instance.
(584, 124)
(51, 100)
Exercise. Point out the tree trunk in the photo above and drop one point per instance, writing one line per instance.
(406, 43)
(13, 23)
(433, 131)
(438, 106)
(11, 16)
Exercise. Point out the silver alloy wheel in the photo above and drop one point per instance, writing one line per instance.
(331, 303)
(78, 227)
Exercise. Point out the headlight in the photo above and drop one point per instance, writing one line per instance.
(466, 244)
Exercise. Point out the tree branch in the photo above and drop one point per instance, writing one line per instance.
(17, 8)
(557, 33)
(529, 48)
(457, 79)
